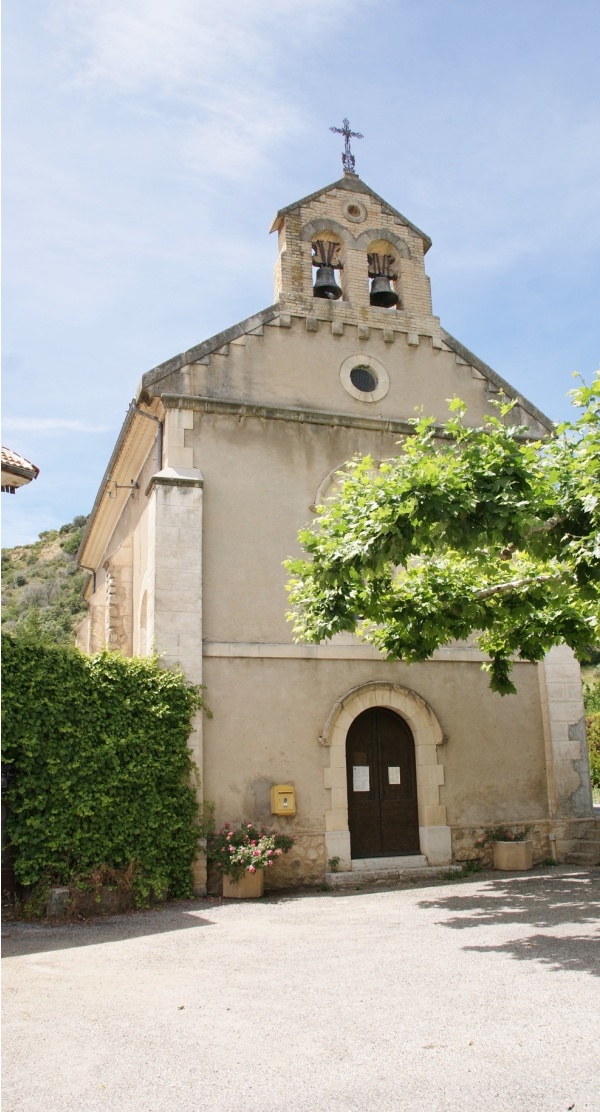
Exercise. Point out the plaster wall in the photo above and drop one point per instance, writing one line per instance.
(492, 755)
(296, 366)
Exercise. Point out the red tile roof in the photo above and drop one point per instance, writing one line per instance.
(15, 464)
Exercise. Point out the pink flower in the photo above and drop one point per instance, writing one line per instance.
(278, 852)
(249, 826)
(251, 869)
(257, 853)
(268, 863)
(252, 843)
(269, 853)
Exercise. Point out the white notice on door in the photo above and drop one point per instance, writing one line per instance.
(360, 778)
(393, 774)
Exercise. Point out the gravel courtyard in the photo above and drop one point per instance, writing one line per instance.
(473, 995)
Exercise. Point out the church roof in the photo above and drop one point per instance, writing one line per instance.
(353, 184)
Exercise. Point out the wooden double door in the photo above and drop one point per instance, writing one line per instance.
(382, 785)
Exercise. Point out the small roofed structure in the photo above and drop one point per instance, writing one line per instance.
(16, 471)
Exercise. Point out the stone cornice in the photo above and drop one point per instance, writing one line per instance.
(294, 414)
(170, 477)
(134, 442)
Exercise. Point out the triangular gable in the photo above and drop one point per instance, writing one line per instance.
(354, 185)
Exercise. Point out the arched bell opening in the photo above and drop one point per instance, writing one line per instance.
(384, 274)
(327, 258)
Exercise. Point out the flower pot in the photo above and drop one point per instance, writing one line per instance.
(511, 856)
(248, 887)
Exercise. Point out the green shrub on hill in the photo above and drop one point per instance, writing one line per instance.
(42, 585)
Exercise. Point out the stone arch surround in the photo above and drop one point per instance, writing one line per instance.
(434, 832)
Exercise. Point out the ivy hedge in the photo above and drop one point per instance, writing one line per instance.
(591, 695)
(97, 769)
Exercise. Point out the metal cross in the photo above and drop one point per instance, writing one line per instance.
(348, 160)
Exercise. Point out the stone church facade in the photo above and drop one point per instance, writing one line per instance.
(223, 456)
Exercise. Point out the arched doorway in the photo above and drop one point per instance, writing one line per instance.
(382, 785)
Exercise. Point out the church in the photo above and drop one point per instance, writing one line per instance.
(374, 767)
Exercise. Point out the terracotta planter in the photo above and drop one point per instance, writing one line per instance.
(509, 857)
(249, 887)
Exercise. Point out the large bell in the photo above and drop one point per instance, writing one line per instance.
(325, 284)
(382, 293)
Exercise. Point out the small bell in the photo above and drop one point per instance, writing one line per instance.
(326, 285)
(382, 293)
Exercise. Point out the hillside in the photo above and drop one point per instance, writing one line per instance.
(42, 584)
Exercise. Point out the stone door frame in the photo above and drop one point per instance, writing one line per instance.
(434, 832)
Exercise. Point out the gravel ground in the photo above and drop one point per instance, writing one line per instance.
(465, 996)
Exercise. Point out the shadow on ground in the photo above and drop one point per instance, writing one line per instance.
(543, 902)
(20, 938)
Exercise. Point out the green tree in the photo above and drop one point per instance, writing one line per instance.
(468, 531)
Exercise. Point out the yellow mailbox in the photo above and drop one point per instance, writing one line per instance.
(283, 799)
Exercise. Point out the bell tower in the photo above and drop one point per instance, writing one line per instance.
(346, 255)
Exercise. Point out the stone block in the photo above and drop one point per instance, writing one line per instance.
(312, 324)
(413, 339)
(430, 776)
(336, 819)
(339, 798)
(337, 328)
(337, 844)
(175, 438)
(432, 815)
(425, 755)
(363, 332)
(436, 844)
(180, 457)
(388, 336)
(58, 902)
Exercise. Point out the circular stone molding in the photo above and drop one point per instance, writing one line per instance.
(354, 211)
(377, 371)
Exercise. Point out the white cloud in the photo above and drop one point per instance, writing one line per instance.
(211, 67)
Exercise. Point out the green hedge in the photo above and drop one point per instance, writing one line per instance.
(591, 696)
(98, 767)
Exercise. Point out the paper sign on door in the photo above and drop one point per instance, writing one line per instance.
(393, 774)
(360, 778)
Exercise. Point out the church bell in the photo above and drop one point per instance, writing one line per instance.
(326, 285)
(382, 293)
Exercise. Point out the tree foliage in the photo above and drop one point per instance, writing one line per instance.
(468, 531)
(42, 585)
(96, 766)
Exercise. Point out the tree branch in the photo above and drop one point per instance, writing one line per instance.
(500, 588)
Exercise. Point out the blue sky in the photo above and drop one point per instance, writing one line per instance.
(149, 143)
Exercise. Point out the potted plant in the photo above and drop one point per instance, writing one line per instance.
(243, 854)
(513, 849)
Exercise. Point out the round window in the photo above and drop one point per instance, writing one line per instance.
(354, 210)
(363, 379)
